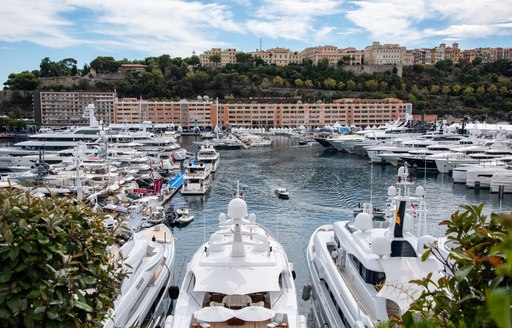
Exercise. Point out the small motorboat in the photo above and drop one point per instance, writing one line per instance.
(180, 216)
(375, 211)
(182, 211)
(282, 192)
(184, 219)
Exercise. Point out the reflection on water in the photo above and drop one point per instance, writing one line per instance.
(324, 187)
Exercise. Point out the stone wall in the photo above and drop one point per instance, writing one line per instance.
(370, 69)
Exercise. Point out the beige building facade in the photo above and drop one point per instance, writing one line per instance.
(227, 56)
(335, 56)
(386, 54)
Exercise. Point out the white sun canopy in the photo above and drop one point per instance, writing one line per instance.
(230, 281)
(399, 272)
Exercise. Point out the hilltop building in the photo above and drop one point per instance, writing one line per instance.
(227, 56)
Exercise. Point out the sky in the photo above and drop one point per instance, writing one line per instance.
(31, 30)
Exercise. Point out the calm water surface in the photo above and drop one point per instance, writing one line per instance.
(324, 187)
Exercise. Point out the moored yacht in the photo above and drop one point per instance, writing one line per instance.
(209, 156)
(148, 259)
(360, 270)
(241, 276)
(196, 179)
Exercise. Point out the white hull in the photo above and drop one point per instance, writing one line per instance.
(141, 302)
(360, 270)
(224, 281)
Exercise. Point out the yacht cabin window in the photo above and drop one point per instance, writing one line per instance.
(369, 276)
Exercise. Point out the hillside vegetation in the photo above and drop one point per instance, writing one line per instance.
(480, 91)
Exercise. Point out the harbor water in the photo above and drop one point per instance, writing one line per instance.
(324, 187)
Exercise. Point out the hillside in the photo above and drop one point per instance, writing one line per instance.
(477, 90)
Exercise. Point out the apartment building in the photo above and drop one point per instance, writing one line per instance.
(361, 112)
(386, 54)
(227, 56)
(67, 108)
(278, 56)
(335, 56)
(453, 53)
(185, 113)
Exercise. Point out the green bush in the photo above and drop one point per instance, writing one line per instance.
(55, 264)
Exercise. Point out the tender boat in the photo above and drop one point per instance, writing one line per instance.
(360, 270)
(376, 212)
(184, 219)
(145, 297)
(282, 193)
(223, 283)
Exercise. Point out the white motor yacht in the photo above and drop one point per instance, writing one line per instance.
(501, 182)
(148, 257)
(196, 179)
(241, 276)
(360, 270)
(209, 156)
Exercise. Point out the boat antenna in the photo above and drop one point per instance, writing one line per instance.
(371, 183)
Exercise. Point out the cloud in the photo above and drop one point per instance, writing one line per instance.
(297, 8)
(151, 26)
(36, 21)
(402, 21)
(282, 28)
(293, 19)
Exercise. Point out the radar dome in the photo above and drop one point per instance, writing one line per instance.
(381, 246)
(391, 191)
(237, 208)
(252, 217)
(222, 217)
(363, 221)
(424, 242)
(420, 191)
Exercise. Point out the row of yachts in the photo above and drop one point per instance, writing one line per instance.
(360, 271)
(477, 161)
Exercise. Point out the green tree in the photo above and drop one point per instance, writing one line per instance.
(371, 85)
(330, 83)
(22, 81)
(56, 268)
(49, 68)
(299, 83)
(435, 89)
(244, 58)
(503, 91)
(492, 90)
(480, 91)
(105, 64)
(341, 85)
(446, 89)
(351, 85)
(68, 67)
(468, 91)
(193, 61)
(278, 81)
(456, 89)
(476, 290)
(384, 86)
(215, 58)
(308, 84)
